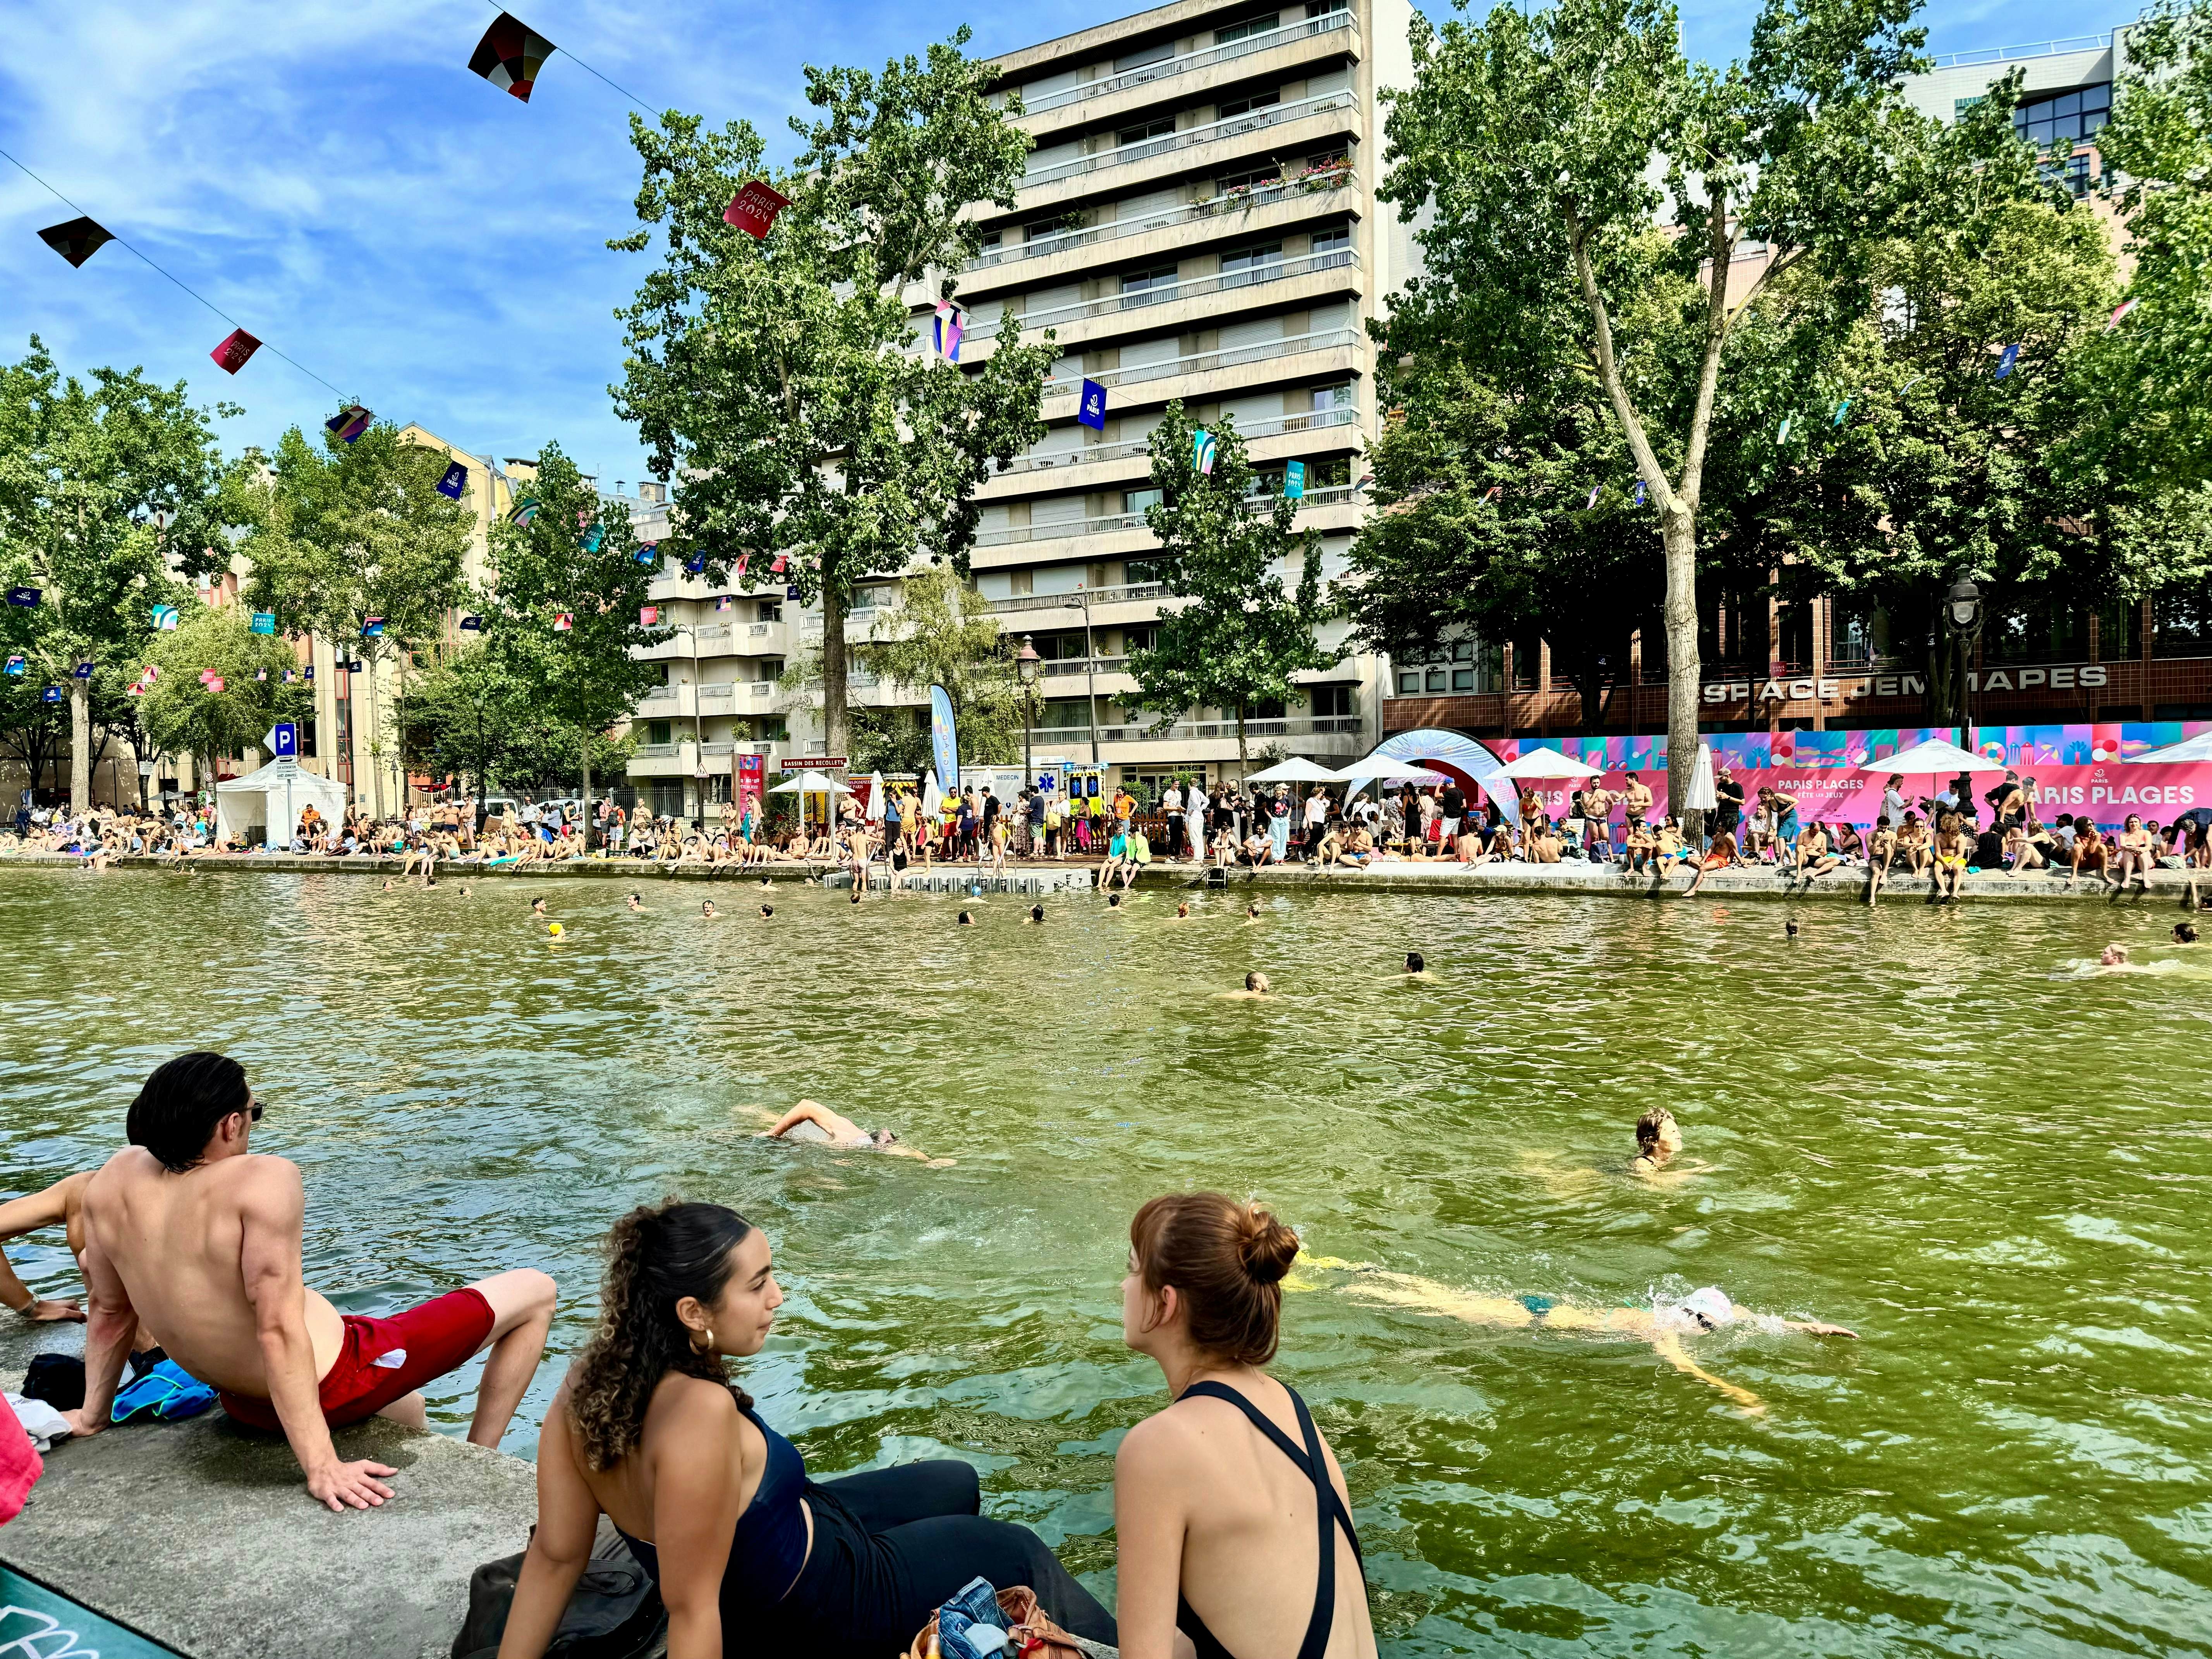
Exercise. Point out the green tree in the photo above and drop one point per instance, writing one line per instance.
(102, 485)
(566, 596)
(778, 381)
(1547, 142)
(1499, 517)
(470, 716)
(1244, 633)
(942, 633)
(183, 715)
(339, 535)
(2160, 368)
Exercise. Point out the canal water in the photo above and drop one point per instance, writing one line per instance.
(1933, 1127)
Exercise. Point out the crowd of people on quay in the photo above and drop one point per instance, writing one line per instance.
(1939, 837)
(191, 1245)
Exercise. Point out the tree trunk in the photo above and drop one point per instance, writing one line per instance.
(375, 743)
(835, 733)
(80, 747)
(587, 790)
(1679, 533)
(1242, 763)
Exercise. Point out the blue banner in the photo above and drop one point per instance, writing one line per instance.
(944, 743)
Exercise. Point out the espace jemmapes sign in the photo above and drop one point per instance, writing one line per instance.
(2058, 677)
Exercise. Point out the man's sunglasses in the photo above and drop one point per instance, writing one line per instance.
(253, 1111)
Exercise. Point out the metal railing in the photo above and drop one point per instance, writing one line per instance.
(660, 707)
(1108, 524)
(1127, 593)
(720, 692)
(1235, 127)
(712, 633)
(1273, 270)
(1205, 731)
(1320, 182)
(1121, 451)
(1201, 363)
(654, 751)
(1204, 57)
(759, 631)
(1086, 666)
(2008, 54)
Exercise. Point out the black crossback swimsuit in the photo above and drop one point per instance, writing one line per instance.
(1327, 1505)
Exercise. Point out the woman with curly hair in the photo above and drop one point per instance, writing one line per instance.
(750, 1555)
(1224, 1501)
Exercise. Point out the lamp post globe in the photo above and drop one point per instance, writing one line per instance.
(1029, 665)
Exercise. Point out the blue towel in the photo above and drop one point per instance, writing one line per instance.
(168, 1391)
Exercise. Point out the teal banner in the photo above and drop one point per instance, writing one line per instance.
(36, 1624)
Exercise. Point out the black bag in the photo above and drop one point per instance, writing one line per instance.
(615, 1613)
(56, 1378)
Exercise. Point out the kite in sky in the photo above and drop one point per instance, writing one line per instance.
(509, 56)
(753, 209)
(232, 355)
(77, 240)
(349, 424)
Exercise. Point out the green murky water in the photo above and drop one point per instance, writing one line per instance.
(1914, 1123)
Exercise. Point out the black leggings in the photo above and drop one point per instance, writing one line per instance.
(891, 1546)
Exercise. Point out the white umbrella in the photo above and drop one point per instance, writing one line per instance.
(1933, 757)
(875, 797)
(1703, 796)
(811, 783)
(932, 798)
(2189, 751)
(1547, 763)
(1296, 771)
(1387, 769)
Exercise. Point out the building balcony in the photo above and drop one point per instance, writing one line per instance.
(1201, 375)
(1302, 121)
(1111, 97)
(1175, 234)
(1112, 523)
(1089, 667)
(1344, 734)
(1097, 466)
(1101, 597)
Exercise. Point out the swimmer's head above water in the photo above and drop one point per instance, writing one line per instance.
(2185, 932)
(1257, 981)
(1036, 913)
(1416, 963)
(2115, 956)
(706, 907)
(966, 920)
(1658, 1137)
(767, 910)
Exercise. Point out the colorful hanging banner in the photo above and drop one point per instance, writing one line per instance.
(83, 671)
(950, 326)
(723, 601)
(1842, 410)
(1639, 492)
(593, 536)
(1091, 406)
(776, 569)
(563, 622)
(1592, 502)
(235, 351)
(510, 55)
(2114, 322)
(455, 481)
(216, 685)
(471, 624)
(264, 622)
(16, 664)
(526, 510)
(25, 597)
(51, 694)
(1294, 480)
(696, 564)
(2006, 358)
(1203, 451)
(78, 239)
(943, 741)
(649, 616)
(372, 628)
(753, 209)
(165, 619)
(349, 424)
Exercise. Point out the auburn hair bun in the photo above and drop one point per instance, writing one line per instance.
(1266, 1246)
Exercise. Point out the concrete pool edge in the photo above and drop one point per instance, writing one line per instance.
(203, 1538)
(1573, 879)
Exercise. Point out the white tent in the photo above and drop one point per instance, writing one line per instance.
(1547, 763)
(1296, 771)
(2190, 751)
(275, 796)
(1933, 758)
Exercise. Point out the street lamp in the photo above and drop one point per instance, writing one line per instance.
(1962, 613)
(1089, 675)
(1029, 665)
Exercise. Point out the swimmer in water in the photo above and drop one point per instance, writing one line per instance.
(1658, 1138)
(966, 920)
(1789, 930)
(811, 1120)
(429, 881)
(387, 883)
(1037, 916)
(1182, 911)
(767, 910)
(465, 891)
(706, 909)
(537, 907)
(2115, 956)
(1255, 985)
(1251, 913)
(634, 903)
(764, 881)
(1417, 965)
(1664, 1327)
(2185, 932)
(856, 895)
(1113, 901)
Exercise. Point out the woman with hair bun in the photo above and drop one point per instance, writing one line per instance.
(1229, 1503)
(750, 1556)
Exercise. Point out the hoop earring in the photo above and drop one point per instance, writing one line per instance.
(708, 1346)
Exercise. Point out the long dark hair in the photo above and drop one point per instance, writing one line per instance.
(657, 1255)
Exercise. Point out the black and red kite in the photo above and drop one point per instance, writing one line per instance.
(510, 55)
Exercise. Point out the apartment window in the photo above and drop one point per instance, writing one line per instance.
(1136, 501)
(771, 668)
(1058, 225)
(1334, 703)
(1251, 265)
(1237, 107)
(1327, 8)
(1160, 129)
(1332, 240)
(2065, 117)
(1331, 160)
(1333, 396)
(1139, 636)
(659, 732)
(2071, 173)
(1259, 178)
(1141, 571)
(771, 610)
(2034, 628)
(1143, 287)
(1248, 28)
(1156, 52)
(992, 242)
(1065, 714)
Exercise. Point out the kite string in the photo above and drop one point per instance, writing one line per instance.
(586, 68)
(179, 281)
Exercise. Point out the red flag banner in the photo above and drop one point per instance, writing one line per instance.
(753, 209)
(232, 354)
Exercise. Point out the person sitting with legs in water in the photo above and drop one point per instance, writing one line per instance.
(1219, 1500)
(191, 1232)
(750, 1556)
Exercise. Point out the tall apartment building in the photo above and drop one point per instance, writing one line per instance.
(1198, 222)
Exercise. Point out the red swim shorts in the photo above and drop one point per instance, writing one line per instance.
(438, 1337)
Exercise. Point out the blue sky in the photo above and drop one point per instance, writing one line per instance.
(329, 173)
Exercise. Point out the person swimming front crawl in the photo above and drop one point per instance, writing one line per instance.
(811, 1121)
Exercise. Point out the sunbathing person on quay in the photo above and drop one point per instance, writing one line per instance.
(61, 1204)
(190, 1231)
(751, 1556)
(1219, 1499)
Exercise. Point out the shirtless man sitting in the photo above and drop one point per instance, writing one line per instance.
(192, 1233)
